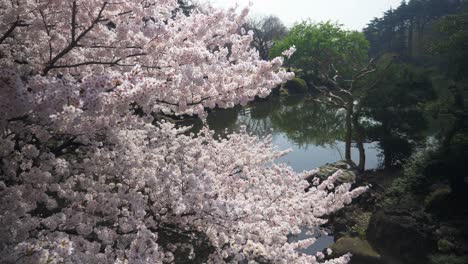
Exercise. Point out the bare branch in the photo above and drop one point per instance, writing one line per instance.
(109, 63)
(189, 104)
(73, 22)
(18, 23)
(75, 41)
(46, 26)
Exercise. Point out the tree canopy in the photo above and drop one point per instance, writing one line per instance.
(319, 45)
(407, 30)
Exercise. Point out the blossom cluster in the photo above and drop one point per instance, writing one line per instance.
(87, 175)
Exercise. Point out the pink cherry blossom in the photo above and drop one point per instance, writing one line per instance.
(91, 173)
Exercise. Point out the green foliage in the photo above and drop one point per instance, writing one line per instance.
(407, 30)
(413, 181)
(297, 85)
(430, 166)
(448, 259)
(361, 225)
(402, 114)
(404, 86)
(321, 44)
(454, 35)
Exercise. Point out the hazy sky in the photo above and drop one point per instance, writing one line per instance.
(354, 14)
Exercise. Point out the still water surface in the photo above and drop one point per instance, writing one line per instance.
(312, 131)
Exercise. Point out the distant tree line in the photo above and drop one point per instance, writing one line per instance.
(408, 29)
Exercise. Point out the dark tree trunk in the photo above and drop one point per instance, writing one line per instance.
(349, 130)
(359, 131)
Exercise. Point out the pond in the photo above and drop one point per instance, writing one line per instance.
(313, 132)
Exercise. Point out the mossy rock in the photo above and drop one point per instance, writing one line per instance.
(348, 168)
(361, 250)
(297, 85)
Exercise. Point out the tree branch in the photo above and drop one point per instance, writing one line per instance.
(17, 23)
(189, 104)
(110, 63)
(51, 65)
(73, 22)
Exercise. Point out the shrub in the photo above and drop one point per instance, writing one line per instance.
(297, 85)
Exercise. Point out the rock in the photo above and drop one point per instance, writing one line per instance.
(361, 250)
(349, 172)
(403, 232)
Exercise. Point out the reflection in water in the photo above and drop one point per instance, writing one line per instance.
(313, 156)
(313, 131)
(310, 123)
(224, 120)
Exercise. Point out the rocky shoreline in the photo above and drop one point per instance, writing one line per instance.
(378, 232)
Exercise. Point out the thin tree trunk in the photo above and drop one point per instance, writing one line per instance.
(359, 131)
(349, 130)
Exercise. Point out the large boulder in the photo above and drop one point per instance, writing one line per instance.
(403, 232)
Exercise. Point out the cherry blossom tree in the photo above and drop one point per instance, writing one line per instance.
(88, 176)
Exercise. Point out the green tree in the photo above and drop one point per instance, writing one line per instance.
(453, 153)
(336, 63)
(402, 115)
(453, 30)
(408, 29)
(321, 44)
